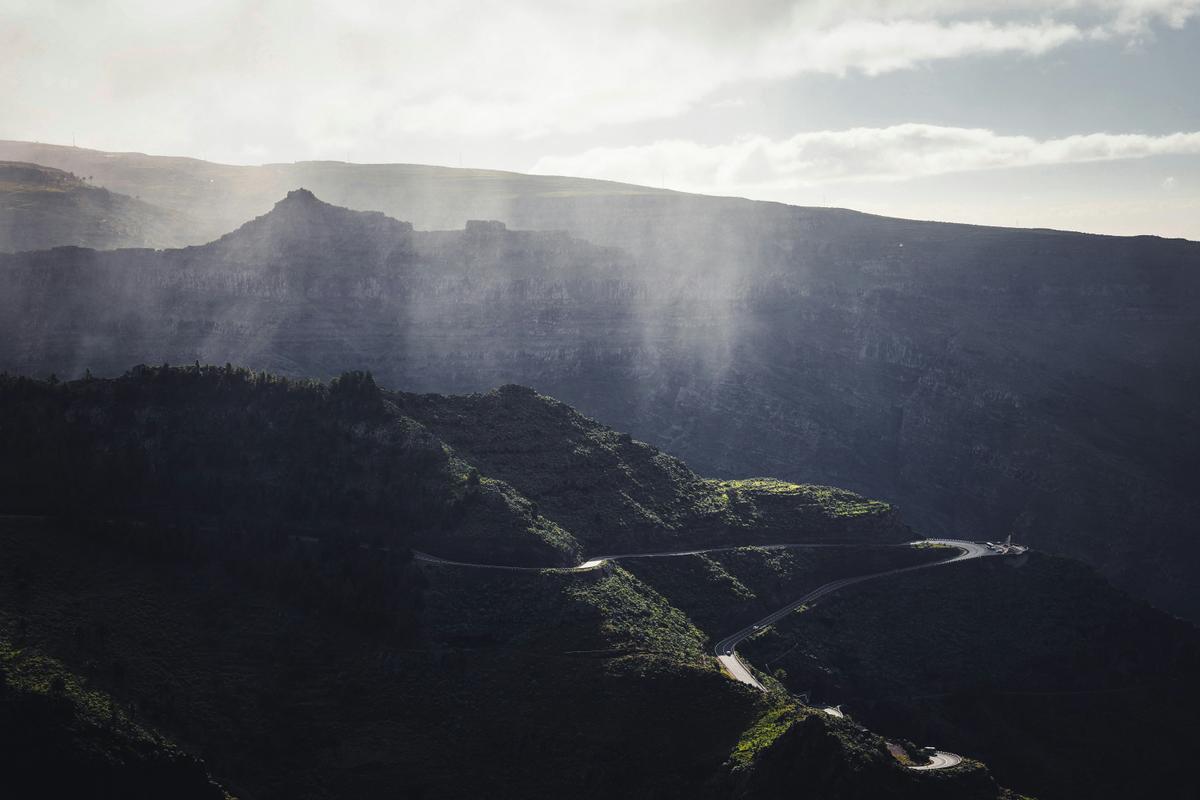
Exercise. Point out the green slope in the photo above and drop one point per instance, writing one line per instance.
(228, 555)
(619, 495)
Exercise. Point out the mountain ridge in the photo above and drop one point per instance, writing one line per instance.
(946, 375)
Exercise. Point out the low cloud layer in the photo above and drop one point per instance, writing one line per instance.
(758, 166)
(648, 91)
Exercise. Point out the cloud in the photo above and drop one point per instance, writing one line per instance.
(761, 167)
(315, 78)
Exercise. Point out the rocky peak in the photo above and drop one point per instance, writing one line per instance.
(301, 222)
(299, 198)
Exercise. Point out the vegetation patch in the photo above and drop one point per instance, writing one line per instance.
(838, 502)
(764, 731)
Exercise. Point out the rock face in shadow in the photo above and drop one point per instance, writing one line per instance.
(986, 380)
(1064, 686)
(60, 739)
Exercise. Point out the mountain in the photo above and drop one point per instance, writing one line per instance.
(229, 556)
(42, 207)
(218, 197)
(986, 380)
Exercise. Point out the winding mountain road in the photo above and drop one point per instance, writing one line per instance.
(600, 561)
(940, 760)
(726, 649)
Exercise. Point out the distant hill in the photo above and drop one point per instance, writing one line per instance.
(42, 207)
(986, 380)
(218, 197)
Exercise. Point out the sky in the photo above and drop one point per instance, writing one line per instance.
(1077, 114)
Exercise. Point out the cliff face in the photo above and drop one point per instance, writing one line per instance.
(986, 380)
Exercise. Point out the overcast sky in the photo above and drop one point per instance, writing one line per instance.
(1080, 114)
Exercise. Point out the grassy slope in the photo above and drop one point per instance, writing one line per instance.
(41, 207)
(61, 737)
(618, 495)
(794, 751)
(1065, 686)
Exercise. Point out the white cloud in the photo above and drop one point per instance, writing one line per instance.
(315, 78)
(1169, 183)
(760, 167)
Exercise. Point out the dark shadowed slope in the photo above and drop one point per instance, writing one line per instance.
(227, 554)
(985, 379)
(1065, 686)
(61, 737)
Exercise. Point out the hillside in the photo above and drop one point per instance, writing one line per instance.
(619, 495)
(365, 466)
(1065, 686)
(62, 738)
(218, 197)
(42, 207)
(984, 380)
(185, 450)
(227, 553)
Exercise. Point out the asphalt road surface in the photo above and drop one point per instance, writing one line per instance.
(940, 760)
(600, 561)
(726, 648)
